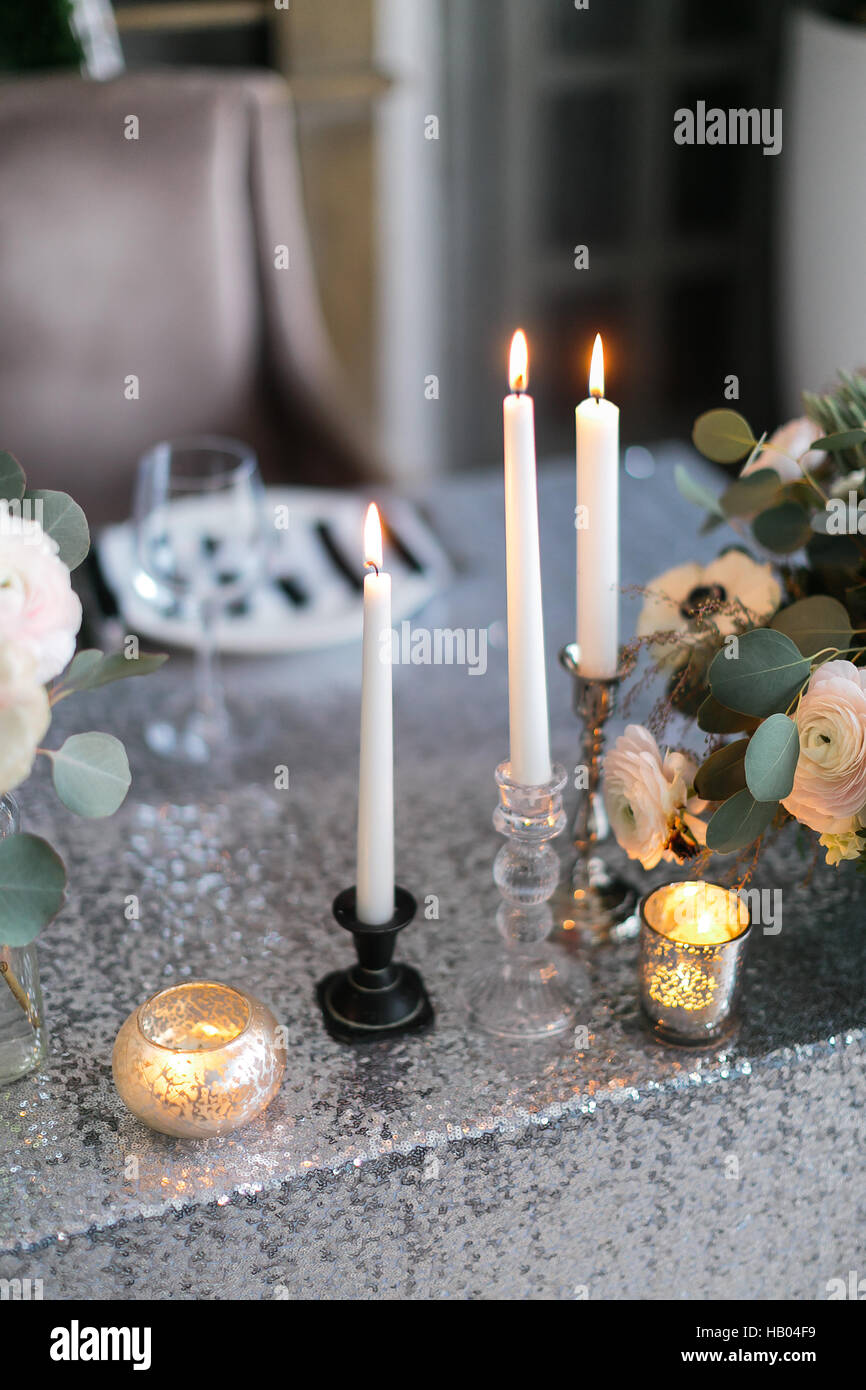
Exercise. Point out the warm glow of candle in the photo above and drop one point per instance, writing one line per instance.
(698, 914)
(197, 1059)
(518, 365)
(596, 369)
(373, 537)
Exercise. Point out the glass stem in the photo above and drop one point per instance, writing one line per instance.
(209, 698)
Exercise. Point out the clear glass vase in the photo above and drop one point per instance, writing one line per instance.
(23, 1035)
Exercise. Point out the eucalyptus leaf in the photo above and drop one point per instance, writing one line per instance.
(844, 439)
(815, 624)
(12, 480)
(749, 495)
(91, 774)
(771, 758)
(65, 522)
(32, 880)
(91, 669)
(723, 436)
(716, 718)
(738, 822)
(759, 676)
(782, 529)
(80, 667)
(695, 492)
(723, 773)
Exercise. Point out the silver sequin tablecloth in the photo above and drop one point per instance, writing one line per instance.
(439, 1166)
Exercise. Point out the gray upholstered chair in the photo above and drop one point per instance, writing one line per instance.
(156, 259)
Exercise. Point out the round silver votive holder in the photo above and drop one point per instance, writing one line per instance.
(198, 1059)
(689, 993)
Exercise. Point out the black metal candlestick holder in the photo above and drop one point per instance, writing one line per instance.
(596, 899)
(377, 998)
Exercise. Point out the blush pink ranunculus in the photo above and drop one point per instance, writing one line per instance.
(24, 715)
(39, 611)
(829, 788)
(783, 449)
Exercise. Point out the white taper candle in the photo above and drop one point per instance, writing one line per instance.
(527, 678)
(375, 867)
(597, 522)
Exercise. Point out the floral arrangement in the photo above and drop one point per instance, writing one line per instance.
(763, 649)
(43, 537)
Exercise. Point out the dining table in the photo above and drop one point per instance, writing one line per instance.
(597, 1164)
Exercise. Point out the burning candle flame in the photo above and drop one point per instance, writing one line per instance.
(518, 367)
(373, 538)
(596, 369)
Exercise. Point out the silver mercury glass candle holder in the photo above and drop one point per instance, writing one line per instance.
(595, 900)
(690, 990)
(523, 995)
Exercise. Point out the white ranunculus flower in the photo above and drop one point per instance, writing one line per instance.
(39, 610)
(674, 600)
(783, 449)
(829, 790)
(646, 796)
(24, 715)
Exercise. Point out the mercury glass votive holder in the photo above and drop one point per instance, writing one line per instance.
(693, 940)
(198, 1059)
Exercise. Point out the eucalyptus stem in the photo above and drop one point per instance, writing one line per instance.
(18, 993)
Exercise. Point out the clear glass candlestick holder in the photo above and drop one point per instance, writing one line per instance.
(522, 994)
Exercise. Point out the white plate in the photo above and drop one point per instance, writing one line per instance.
(273, 623)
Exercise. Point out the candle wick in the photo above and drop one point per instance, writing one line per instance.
(371, 565)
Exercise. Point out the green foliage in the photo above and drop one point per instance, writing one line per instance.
(815, 624)
(738, 822)
(716, 718)
(752, 494)
(783, 528)
(12, 481)
(91, 774)
(90, 669)
(835, 443)
(695, 492)
(723, 773)
(761, 675)
(723, 436)
(65, 522)
(771, 758)
(32, 883)
(841, 410)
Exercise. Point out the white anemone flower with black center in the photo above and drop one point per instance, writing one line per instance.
(689, 603)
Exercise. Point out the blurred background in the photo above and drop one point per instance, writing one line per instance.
(429, 168)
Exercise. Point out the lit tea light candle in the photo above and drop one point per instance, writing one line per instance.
(699, 914)
(692, 947)
(198, 1059)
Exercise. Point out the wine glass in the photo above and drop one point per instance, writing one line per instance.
(200, 531)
